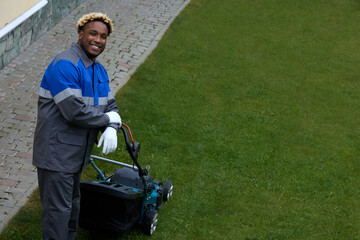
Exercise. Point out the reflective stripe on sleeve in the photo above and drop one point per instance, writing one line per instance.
(67, 93)
(110, 96)
(73, 92)
(44, 93)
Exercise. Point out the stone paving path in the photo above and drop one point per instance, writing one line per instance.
(138, 26)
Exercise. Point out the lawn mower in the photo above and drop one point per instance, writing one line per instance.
(115, 204)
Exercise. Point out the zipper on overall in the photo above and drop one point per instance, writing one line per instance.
(95, 87)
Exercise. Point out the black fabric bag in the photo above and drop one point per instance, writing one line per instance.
(109, 207)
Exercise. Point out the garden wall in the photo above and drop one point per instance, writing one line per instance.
(18, 39)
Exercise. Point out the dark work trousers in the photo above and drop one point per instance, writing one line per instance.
(60, 199)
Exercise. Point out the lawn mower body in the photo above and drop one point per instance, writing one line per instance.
(128, 197)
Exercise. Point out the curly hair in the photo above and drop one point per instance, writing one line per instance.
(95, 17)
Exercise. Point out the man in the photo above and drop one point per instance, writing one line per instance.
(74, 103)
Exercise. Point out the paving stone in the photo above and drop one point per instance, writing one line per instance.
(8, 183)
(10, 164)
(8, 152)
(17, 193)
(24, 155)
(24, 185)
(23, 117)
(20, 147)
(3, 175)
(2, 134)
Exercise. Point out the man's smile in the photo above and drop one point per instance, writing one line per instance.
(95, 47)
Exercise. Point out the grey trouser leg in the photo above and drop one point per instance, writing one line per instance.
(60, 199)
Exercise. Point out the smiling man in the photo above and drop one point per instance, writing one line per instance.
(74, 103)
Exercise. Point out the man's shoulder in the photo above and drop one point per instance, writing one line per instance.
(69, 55)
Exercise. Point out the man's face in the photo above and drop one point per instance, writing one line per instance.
(92, 38)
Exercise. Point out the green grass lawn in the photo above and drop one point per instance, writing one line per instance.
(251, 108)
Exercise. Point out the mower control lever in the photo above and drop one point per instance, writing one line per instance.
(134, 150)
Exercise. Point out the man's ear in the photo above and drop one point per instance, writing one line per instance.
(81, 34)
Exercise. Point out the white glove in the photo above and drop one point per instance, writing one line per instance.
(114, 117)
(109, 137)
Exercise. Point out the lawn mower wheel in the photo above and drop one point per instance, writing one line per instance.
(150, 222)
(167, 190)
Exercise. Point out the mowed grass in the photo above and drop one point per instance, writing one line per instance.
(251, 108)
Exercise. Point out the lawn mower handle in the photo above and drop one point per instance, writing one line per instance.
(133, 150)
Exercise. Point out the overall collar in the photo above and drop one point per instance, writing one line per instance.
(84, 58)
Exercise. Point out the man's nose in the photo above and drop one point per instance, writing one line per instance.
(97, 38)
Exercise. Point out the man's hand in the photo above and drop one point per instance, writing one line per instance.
(114, 117)
(109, 137)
